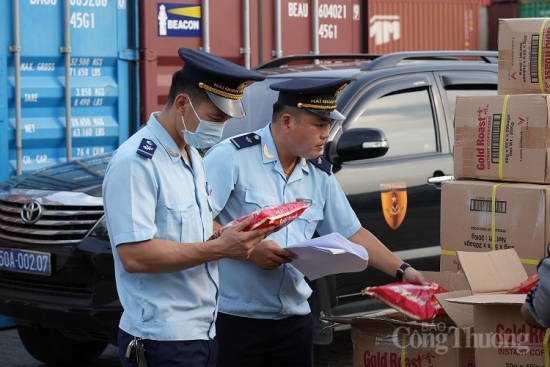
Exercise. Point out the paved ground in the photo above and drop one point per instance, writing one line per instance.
(12, 353)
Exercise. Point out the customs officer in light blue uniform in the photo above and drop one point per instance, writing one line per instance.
(264, 318)
(159, 216)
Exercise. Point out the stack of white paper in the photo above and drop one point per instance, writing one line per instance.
(329, 254)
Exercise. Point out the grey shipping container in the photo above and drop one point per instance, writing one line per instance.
(68, 77)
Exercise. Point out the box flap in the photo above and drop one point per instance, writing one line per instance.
(493, 271)
(448, 280)
(352, 320)
(490, 299)
(461, 314)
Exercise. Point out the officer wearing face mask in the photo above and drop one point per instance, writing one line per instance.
(159, 216)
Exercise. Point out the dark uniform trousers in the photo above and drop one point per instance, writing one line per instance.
(246, 342)
(188, 353)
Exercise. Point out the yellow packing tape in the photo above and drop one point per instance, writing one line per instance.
(539, 57)
(403, 349)
(523, 261)
(494, 216)
(501, 137)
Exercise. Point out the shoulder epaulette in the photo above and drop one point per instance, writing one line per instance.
(246, 140)
(322, 164)
(146, 148)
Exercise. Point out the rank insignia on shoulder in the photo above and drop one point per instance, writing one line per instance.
(147, 148)
(322, 164)
(246, 140)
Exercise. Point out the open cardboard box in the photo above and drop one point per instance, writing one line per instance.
(388, 338)
(501, 338)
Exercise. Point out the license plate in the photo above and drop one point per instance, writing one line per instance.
(25, 261)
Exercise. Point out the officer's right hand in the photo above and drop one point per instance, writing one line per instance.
(238, 244)
(268, 255)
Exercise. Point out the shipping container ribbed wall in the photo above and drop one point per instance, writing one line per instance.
(416, 25)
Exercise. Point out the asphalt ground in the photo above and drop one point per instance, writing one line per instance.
(13, 354)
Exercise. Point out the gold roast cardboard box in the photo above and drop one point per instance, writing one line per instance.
(388, 339)
(524, 56)
(482, 216)
(502, 138)
(501, 338)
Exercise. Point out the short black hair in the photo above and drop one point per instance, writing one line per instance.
(280, 109)
(180, 84)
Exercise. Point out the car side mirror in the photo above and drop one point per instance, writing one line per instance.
(361, 143)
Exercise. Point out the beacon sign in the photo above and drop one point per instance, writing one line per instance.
(179, 20)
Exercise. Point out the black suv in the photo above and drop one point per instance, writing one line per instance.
(56, 267)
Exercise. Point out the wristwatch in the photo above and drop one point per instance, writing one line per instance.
(401, 271)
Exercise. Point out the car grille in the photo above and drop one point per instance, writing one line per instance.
(45, 287)
(59, 224)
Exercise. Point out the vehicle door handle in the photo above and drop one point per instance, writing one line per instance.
(437, 179)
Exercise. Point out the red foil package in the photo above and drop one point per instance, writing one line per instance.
(413, 300)
(525, 286)
(277, 215)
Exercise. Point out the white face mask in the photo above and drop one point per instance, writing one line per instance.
(208, 133)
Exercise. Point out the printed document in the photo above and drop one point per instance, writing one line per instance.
(329, 254)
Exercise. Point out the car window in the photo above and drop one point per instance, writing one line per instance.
(399, 114)
(453, 93)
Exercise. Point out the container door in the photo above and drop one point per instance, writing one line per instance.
(421, 25)
(68, 81)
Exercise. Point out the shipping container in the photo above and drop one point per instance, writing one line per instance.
(498, 10)
(413, 25)
(245, 32)
(68, 71)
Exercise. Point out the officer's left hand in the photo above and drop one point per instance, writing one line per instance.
(413, 276)
(268, 255)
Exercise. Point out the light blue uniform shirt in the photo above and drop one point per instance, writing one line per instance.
(161, 197)
(244, 180)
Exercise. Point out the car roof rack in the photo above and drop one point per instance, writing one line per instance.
(283, 60)
(392, 59)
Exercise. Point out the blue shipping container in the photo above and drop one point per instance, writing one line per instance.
(65, 61)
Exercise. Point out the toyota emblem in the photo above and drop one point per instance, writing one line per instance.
(31, 212)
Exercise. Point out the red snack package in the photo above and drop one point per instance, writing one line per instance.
(277, 215)
(525, 286)
(413, 300)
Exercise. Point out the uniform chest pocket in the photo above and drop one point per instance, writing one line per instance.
(254, 200)
(183, 222)
(309, 219)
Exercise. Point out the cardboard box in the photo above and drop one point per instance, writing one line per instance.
(523, 56)
(388, 339)
(502, 339)
(518, 219)
(503, 138)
